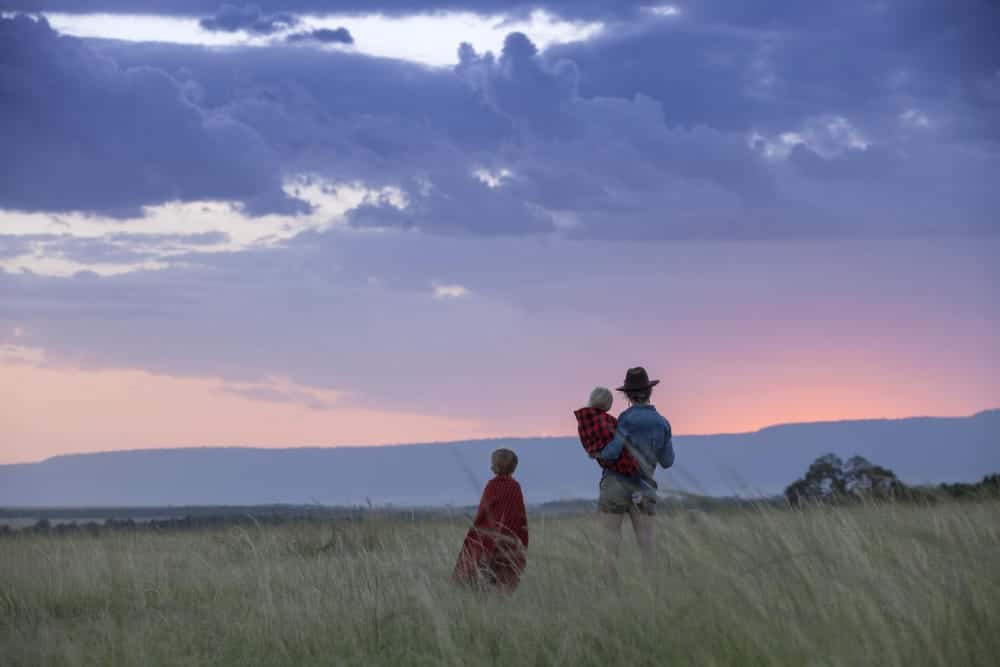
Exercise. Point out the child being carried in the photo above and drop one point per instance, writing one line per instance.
(596, 428)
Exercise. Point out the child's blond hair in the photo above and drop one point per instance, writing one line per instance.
(601, 398)
(503, 461)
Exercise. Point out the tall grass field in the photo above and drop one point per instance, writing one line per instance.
(888, 584)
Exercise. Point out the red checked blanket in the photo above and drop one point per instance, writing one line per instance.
(596, 429)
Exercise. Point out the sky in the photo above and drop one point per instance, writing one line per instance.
(359, 223)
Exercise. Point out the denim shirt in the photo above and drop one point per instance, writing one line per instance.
(649, 434)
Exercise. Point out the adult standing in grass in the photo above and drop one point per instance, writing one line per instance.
(646, 435)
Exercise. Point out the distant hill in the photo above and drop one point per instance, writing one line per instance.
(920, 450)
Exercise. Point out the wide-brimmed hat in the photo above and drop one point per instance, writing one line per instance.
(637, 379)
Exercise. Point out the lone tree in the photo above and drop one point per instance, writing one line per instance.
(829, 478)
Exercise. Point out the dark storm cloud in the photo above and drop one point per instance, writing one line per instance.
(520, 86)
(79, 132)
(323, 36)
(785, 123)
(445, 209)
(770, 64)
(594, 167)
(231, 18)
(590, 9)
(308, 100)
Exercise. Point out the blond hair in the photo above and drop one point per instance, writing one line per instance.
(503, 461)
(601, 398)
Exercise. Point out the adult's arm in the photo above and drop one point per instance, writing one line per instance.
(665, 455)
(613, 449)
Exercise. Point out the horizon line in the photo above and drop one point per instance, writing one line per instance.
(490, 439)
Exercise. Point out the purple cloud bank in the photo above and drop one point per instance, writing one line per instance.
(83, 133)
(663, 130)
(575, 8)
(529, 179)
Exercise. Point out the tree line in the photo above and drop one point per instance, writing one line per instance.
(830, 479)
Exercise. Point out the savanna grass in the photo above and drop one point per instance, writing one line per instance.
(863, 585)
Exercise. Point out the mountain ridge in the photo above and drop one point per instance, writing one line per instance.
(919, 449)
(430, 443)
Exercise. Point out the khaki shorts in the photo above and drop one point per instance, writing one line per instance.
(619, 496)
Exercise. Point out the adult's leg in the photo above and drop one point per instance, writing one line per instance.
(612, 505)
(609, 539)
(644, 526)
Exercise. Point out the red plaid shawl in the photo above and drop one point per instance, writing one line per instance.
(493, 551)
(597, 429)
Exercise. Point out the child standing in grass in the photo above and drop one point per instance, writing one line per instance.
(493, 555)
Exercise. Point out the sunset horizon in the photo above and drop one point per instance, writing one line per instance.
(308, 422)
(492, 438)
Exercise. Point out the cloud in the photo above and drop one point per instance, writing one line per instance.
(493, 178)
(231, 18)
(701, 125)
(450, 291)
(521, 86)
(13, 245)
(65, 253)
(89, 135)
(376, 35)
(828, 136)
(454, 202)
(322, 35)
(283, 392)
(570, 8)
(914, 119)
(64, 244)
(769, 65)
(295, 99)
(18, 354)
(609, 165)
(196, 239)
(309, 313)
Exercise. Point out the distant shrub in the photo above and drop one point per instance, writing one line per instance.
(989, 487)
(829, 479)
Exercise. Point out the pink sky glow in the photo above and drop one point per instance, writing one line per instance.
(51, 410)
